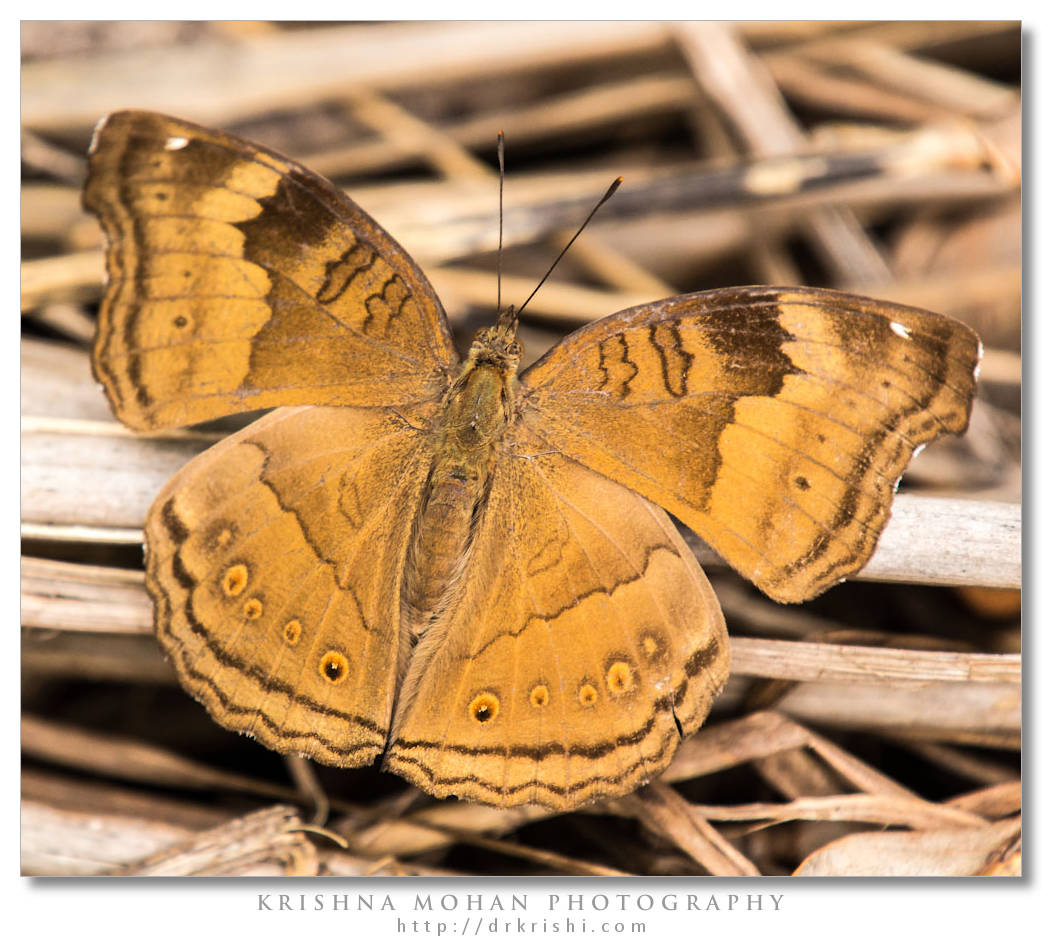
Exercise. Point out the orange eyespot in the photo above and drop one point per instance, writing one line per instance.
(333, 667)
(292, 631)
(234, 579)
(619, 677)
(253, 608)
(654, 647)
(539, 696)
(484, 707)
(587, 694)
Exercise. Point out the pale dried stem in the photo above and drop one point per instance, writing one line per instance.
(743, 90)
(306, 781)
(950, 89)
(124, 758)
(664, 812)
(995, 802)
(261, 843)
(285, 68)
(409, 134)
(545, 118)
(454, 161)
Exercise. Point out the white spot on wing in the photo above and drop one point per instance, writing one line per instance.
(175, 143)
(899, 330)
(98, 127)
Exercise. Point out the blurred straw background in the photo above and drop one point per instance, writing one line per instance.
(875, 731)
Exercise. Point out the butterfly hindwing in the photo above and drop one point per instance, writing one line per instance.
(581, 636)
(775, 422)
(275, 561)
(239, 280)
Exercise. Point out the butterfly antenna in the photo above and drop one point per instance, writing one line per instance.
(499, 253)
(607, 195)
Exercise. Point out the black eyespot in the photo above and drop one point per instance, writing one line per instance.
(333, 667)
(484, 707)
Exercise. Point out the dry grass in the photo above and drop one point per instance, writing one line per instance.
(874, 731)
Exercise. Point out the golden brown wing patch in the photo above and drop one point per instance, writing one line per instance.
(583, 635)
(240, 280)
(773, 422)
(273, 562)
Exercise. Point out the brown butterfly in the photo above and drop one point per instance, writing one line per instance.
(467, 571)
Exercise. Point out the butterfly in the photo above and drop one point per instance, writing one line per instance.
(463, 570)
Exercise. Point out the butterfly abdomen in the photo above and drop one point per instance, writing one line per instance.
(438, 546)
(474, 417)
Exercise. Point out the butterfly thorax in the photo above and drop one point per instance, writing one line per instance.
(477, 410)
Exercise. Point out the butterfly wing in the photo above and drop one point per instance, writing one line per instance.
(239, 280)
(774, 422)
(582, 635)
(275, 561)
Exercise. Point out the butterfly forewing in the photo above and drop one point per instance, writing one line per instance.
(774, 422)
(240, 280)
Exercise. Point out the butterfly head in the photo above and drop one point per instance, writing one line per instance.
(497, 344)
